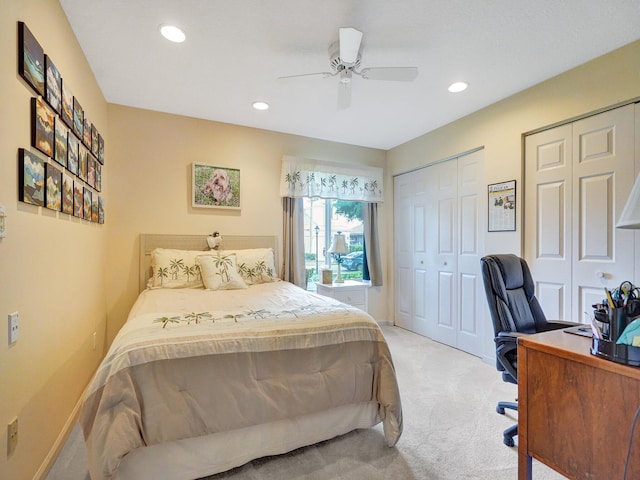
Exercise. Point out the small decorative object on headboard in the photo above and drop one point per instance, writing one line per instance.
(214, 241)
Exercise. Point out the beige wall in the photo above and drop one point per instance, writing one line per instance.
(51, 265)
(603, 82)
(150, 159)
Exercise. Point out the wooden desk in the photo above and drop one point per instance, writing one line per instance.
(575, 410)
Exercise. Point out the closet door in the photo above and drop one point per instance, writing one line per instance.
(577, 179)
(403, 251)
(442, 258)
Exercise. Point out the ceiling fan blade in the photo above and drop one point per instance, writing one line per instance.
(350, 39)
(324, 74)
(399, 74)
(344, 95)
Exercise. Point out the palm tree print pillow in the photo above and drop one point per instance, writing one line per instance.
(176, 268)
(255, 265)
(220, 272)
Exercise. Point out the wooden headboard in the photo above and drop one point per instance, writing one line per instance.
(197, 242)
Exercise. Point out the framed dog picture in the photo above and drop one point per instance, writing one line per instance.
(215, 187)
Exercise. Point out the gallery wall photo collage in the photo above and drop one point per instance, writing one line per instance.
(65, 174)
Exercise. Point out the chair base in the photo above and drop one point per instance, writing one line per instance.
(512, 431)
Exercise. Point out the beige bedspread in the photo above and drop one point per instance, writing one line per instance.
(192, 362)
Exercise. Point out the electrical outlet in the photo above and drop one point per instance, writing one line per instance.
(12, 436)
(13, 327)
(95, 335)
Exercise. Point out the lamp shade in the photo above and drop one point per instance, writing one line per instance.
(339, 244)
(630, 217)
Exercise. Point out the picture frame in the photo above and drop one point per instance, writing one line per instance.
(100, 149)
(215, 187)
(30, 59)
(42, 126)
(67, 193)
(91, 171)
(83, 159)
(53, 188)
(94, 140)
(78, 118)
(53, 84)
(78, 199)
(66, 108)
(94, 209)
(86, 204)
(86, 132)
(32, 178)
(73, 149)
(98, 185)
(100, 209)
(502, 206)
(61, 134)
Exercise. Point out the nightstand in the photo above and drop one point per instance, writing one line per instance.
(350, 292)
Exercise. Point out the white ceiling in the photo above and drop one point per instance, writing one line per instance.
(236, 50)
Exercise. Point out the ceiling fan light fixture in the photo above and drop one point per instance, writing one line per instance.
(457, 87)
(261, 105)
(345, 76)
(172, 33)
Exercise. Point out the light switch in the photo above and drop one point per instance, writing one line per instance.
(3, 222)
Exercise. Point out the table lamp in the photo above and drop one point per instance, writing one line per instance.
(630, 217)
(338, 248)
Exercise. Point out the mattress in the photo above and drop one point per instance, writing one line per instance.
(199, 381)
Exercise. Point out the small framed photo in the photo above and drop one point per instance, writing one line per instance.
(86, 204)
(83, 159)
(30, 59)
(215, 187)
(66, 108)
(73, 148)
(67, 193)
(53, 85)
(100, 209)
(31, 188)
(98, 185)
(53, 188)
(502, 206)
(42, 126)
(60, 148)
(78, 117)
(78, 199)
(100, 149)
(86, 137)
(94, 140)
(94, 209)
(91, 171)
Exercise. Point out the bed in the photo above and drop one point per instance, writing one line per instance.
(200, 380)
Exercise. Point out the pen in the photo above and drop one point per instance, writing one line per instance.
(609, 299)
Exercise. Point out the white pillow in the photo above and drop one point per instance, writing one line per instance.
(176, 268)
(256, 265)
(220, 272)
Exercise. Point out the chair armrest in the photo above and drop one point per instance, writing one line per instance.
(507, 344)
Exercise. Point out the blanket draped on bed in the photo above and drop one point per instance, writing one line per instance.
(190, 362)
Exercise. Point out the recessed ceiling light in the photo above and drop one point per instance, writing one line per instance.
(261, 105)
(458, 87)
(172, 33)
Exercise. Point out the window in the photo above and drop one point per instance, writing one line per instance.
(322, 219)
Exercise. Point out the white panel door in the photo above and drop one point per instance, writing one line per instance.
(603, 174)
(420, 242)
(577, 179)
(547, 218)
(403, 251)
(442, 258)
(471, 221)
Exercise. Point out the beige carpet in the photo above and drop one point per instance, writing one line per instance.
(451, 429)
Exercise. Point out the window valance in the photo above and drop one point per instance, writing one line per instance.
(303, 177)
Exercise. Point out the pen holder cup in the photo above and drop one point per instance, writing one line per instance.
(613, 325)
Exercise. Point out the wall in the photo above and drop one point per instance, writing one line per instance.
(150, 159)
(52, 266)
(603, 82)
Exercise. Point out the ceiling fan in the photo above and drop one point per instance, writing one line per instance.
(345, 55)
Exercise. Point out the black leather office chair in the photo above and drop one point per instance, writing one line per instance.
(515, 311)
